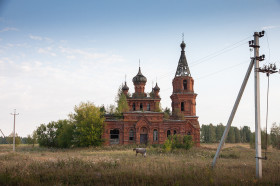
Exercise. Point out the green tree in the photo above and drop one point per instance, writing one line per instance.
(212, 133)
(122, 104)
(65, 135)
(219, 131)
(204, 136)
(237, 135)
(102, 109)
(245, 134)
(10, 139)
(47, 134)
(167, 113)
(264, 143)
(231, 136)
(178, 142)
(32, 139)
(275, 135)
(3, 140)
(89, 125)
(29, 139)
(158, 107)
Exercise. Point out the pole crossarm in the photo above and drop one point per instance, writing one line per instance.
(268, 69)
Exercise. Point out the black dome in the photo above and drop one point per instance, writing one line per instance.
(139, 78)
(156, 87)
(183, 45)
(125, 87)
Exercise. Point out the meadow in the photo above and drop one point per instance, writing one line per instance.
(118, 165)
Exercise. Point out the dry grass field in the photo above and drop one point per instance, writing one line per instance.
(118, 166)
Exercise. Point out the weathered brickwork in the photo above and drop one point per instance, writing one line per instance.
(143, 123)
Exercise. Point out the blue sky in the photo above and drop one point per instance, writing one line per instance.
(55, 54)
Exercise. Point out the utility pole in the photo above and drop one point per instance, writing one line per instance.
(14, 139)
(254, 62)
(256, 46)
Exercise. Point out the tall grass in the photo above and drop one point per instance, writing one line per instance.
(118, 165)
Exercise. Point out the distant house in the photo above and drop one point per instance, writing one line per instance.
(143, 123)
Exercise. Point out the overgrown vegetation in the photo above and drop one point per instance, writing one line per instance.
(178, 142)
(177, 115)
(83, 128)
(118, 165)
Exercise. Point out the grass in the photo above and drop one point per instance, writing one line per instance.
(118, 165)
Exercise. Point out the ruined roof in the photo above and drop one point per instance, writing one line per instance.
(183, 68)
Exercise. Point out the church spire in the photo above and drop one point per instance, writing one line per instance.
(183, 68)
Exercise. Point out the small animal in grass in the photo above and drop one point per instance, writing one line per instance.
(141, 151)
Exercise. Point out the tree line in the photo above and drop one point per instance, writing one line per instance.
(213, 134)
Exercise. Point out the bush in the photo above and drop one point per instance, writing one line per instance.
(178, 142)
(264, 143)
(275, 135)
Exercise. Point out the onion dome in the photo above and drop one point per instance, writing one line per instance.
(125, 87)
(156, 87)
(183, 45)
(139, 78)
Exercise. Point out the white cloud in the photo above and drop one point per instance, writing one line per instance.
(89, 55)
(47, 51)
(40, 38)
(6, 29)
(270, 27)
(17, 45)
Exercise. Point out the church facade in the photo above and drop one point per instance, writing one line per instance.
(144, 123)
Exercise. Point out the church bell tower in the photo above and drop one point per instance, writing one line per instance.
(183, 96)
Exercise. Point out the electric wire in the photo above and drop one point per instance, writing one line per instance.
(224, 69)
(266, 35)
(267, 93)
(210, 56)
(216, 72)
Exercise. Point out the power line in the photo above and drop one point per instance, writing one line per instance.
(210, 56)
(224, 69)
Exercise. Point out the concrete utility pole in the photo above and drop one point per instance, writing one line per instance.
(233, 111)
(14, 139)
(255, 61)
(258, 157)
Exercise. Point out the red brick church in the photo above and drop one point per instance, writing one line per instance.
(143, 123)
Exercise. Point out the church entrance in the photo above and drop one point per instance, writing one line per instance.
(143, 135)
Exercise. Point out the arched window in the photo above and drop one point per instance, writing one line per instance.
(131, 135)
(185, 84)
(168, 133)
(114, 136)
(148, 107)
(155, 135)
(182, 106)
(133, 106)
(175, 132)
(141, 106)
(189, 133)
